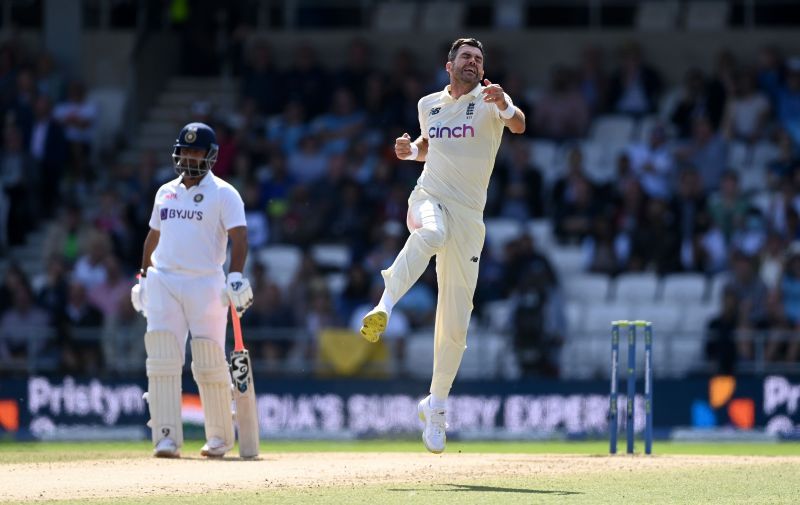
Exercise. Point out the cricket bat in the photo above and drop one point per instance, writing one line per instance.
(244, 395)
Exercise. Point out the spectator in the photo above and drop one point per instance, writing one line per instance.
(48, 148)
(592, 79)
(309, 162)
(78, 116)
(52, 292)
(520, 185)
(634, 86)
(750, 234)
(562, 113)
(522, 256)
(652, 163)
(694, 103)
(772, 259)
(112, 296)
(18, 182)
(704, 250)
(24, 329)
(275, 193)
(789, 291)
(356, 71)
(752, 295)
(728, 206)
(257, 222)
(788, 109)
(285, 132)
(262, 81)
(341, 125)
(785, 163)
(604, 251)
(271, 312)
(90, 269)
(770, 72)
(81, 352)
(688, 202)
(22, 106)
(747, 111)
(721, 347)
(349, 217)
(656, 243)
(307, 82)
(706, 151)
(574, 202)
(49, 81)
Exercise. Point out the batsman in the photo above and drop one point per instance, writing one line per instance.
(183, 289)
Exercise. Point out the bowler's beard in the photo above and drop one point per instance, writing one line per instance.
(467, 77)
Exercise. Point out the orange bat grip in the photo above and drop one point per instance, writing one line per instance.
(238, 343)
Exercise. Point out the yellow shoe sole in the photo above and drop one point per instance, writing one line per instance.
(373, 325)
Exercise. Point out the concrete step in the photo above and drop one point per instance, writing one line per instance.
(160, 128)
(179, 99)
(203, 84)
(167, 114)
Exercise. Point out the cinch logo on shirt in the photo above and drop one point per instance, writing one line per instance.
(181, 214)
(441, 132)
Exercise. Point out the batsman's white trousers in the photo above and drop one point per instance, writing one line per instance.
(455, 234)
(180, 303)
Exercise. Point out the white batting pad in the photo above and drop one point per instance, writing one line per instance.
(164, 360)
(210, 370)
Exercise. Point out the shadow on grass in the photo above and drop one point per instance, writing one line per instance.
(490, 489)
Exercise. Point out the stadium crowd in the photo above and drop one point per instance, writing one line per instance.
(310, 149)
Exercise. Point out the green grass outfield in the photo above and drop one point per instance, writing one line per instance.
(29, 452)
(738, 479)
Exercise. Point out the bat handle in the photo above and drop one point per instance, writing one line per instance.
(238, 343)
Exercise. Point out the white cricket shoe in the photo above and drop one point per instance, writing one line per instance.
(374, 324)
(166, 448)
(434, 435)
(214, 448)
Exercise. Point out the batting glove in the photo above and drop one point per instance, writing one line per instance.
(239, 292)
(137, 296)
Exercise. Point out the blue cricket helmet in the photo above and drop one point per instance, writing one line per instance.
(195, 136)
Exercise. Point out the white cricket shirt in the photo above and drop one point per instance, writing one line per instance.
(463, 137)
(194, 224)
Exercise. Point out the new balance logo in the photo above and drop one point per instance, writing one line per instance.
(474, 259)
(434, 111)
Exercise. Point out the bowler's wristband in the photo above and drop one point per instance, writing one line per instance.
(509, 112)
(414, 153)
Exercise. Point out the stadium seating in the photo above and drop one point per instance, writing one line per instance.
(567, 260)
(282, 262)
(683, 288)
(657, 16)
(331, 256)
(588, 288)
(395, 16)
(499, 231)
(707, 15)
(635, 287)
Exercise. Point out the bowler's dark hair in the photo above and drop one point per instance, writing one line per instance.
(451, 56)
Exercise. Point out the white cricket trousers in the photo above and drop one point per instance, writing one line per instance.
(180, 303)
(454, 234)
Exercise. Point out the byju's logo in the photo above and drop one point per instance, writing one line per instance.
(456, 132)
(434, 111)
(181, 214)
